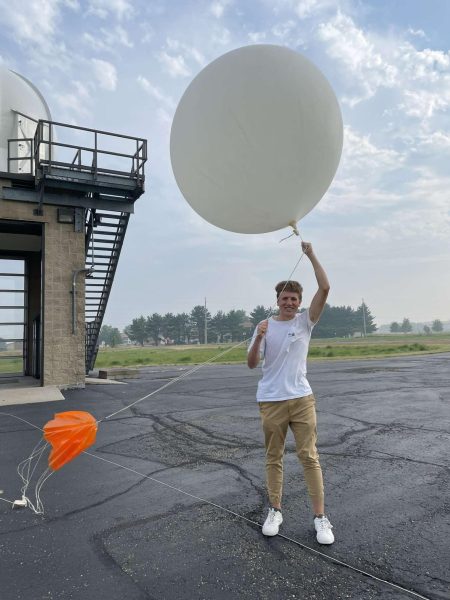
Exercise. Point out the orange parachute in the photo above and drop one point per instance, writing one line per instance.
(69, 433)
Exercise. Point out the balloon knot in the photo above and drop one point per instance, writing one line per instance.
(293, 224)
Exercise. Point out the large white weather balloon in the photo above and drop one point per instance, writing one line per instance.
(256, 139)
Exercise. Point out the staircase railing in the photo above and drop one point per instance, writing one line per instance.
(105, 232)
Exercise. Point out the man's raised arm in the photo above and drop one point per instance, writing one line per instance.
(318, 302)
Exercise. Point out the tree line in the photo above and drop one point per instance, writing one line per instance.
(232, 326)
(406, 327)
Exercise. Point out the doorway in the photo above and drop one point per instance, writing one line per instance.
(13, 317)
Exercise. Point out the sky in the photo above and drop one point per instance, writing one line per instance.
(381, 231)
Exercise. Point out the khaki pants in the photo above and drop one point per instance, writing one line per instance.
(300, 415)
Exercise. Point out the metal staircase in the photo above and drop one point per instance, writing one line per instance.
(105, 232)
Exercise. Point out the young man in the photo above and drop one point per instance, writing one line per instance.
(285, 397)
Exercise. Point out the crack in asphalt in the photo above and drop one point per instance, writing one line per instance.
(102, 552)
(44, 520)
(393, 458)
(194, 456)
(389, 426)
(229, 440)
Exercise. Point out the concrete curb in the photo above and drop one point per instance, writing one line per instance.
(30, 395)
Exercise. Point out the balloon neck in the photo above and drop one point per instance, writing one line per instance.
(295, 231)
(293, 224)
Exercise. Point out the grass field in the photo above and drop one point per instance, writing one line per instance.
(10, 363)
(375, 346)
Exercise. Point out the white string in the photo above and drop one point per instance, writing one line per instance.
(5, 500)
(20, 419)
(294, 541)
(39, 508)
(23, 471)
(174, 380)
(27, 468)
(187, 373)
(25, 465)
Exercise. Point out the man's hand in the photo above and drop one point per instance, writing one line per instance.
(253, 355)
(262, 328)
(307, 248)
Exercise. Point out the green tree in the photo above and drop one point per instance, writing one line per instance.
(110, 336)
(2, 344)
(362, 315)
(169, 326)
(258, 314)
(137, 331)
(336, 321)
(182, 323)
(218, 325)
(154, 325)
(105, 334)
(406, 326)
(437, 326)
(198, 321)
(234, 322)
(394, 327)
(426, 329)
(115, 338)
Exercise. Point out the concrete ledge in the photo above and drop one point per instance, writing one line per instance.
(29, 395)
(95, 381)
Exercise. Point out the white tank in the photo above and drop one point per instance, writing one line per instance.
(21, 106)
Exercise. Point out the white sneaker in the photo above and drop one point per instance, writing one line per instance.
(323, 528)
(272, 523)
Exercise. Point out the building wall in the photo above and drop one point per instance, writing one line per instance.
(63, 357)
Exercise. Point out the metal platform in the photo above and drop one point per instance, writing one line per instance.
(55, 168)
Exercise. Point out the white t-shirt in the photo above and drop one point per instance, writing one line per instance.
(284, 348)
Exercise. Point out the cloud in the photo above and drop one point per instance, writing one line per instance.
(175, 57)
(360, 182)
(437, 141)
(95, 42)
(120, 35)
(72, 4)
(221, 36)
(156, 93)
(309, 8)
(174, 65)
(35, 26)
(424, 65)
(370, 62)
(107, 40)
(74, 102)
(360, 153)
(256, 37)
(217, 9)
(121, 9)
(282, 30)
(190, 52)
(425, 81)
(105, 74)
(416, 32)
(362, 61)
(423, 103)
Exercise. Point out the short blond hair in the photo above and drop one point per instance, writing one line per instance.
(289, 286)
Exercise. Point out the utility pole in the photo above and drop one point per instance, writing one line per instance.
(206, 326)
(364, 317)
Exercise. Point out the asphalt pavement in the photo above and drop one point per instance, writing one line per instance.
(157, 529)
